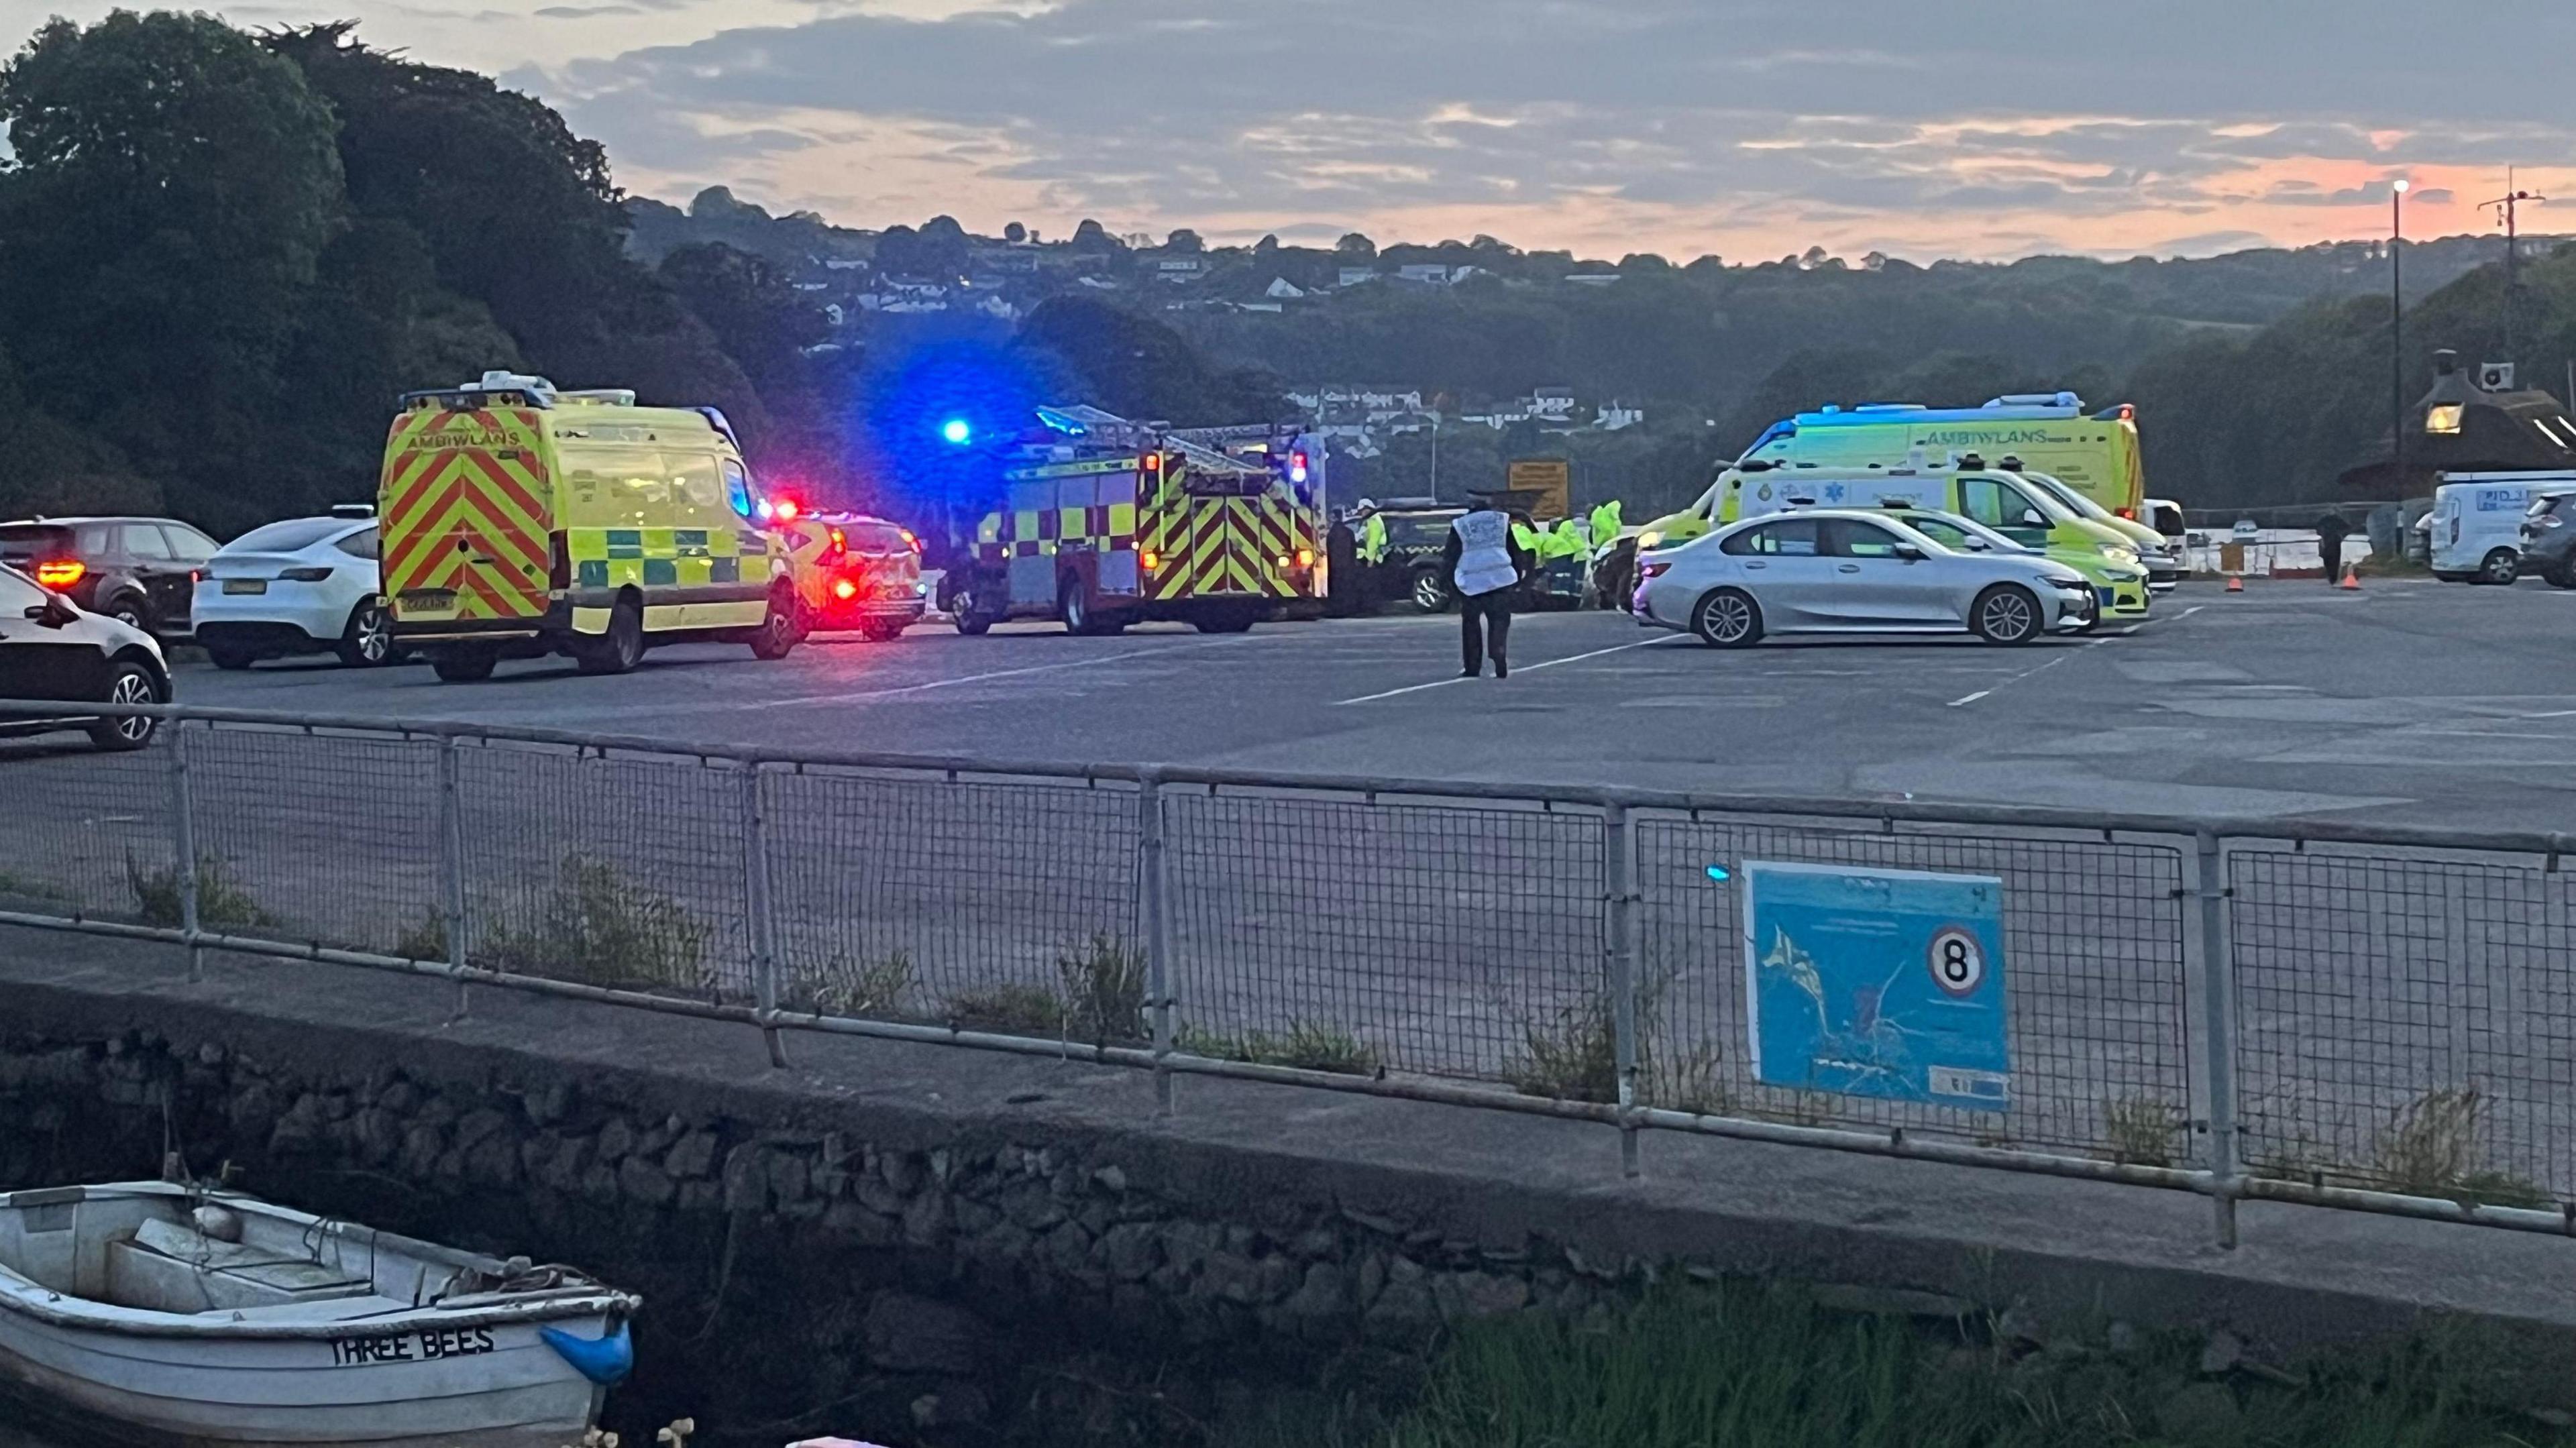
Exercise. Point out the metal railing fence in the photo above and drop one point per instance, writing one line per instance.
(2373, 1018)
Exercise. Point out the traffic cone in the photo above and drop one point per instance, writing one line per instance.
(2236, 583)
(2352, 578)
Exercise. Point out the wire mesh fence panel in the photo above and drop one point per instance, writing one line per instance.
(619, 871)
(2095, 1004)
(2407, 1023)
(323, 839)
(89, 833)
(1434, 939)
(1006, 906)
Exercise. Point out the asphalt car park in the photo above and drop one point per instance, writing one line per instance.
(2408, 701)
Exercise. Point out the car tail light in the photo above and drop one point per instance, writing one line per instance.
(302, 575)
(61, 573)
(1653, 570)
(844, 589)
(1305, 557)
(909, 541)
(1152, 560)
(840, 545)
(2129, 513)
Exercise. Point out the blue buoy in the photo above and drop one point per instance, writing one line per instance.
(604, 1360)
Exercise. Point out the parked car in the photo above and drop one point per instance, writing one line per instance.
(1851, 571)
(302, 586)
(2548, 539)
(54, 651)
(854, 571)
(138, 571)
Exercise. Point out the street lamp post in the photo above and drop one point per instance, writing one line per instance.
(2397, 341)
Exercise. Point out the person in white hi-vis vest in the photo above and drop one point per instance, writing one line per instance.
(1486, 566)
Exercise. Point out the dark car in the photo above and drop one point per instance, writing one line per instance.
(1416, 531)
(2549, 537)
(53, 651)
(141, 571)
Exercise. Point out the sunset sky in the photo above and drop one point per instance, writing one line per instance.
(1966, 128)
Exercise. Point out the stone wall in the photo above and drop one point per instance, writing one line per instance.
(803, 1279)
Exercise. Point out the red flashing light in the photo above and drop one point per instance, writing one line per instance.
(1153, 462)
(2129, 513)
(61, 573)
(1297, 466)
(787, 510)
(844, 589)
(2128, 412)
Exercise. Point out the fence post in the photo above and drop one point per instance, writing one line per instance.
(1621, 929)
(451, 861)
(183, 824)
(2218, 1016)
(1158, 943)
(764, 932)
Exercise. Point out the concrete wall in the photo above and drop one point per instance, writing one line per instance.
(885, 1236)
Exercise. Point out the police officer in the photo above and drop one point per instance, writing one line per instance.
(1486, 563)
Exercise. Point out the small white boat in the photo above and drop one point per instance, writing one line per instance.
(153, 1313)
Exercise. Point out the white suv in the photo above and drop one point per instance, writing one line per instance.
(302, 586)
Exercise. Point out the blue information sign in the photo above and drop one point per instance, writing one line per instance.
(1885, 983)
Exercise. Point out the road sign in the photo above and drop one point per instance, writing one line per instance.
(1881, 983)
(1551, 480)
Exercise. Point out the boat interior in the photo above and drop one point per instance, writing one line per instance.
(160, 1249)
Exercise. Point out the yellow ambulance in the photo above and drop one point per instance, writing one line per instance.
(519, 520)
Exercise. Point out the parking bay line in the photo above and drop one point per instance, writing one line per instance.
(1526, 669)
(2026, 673)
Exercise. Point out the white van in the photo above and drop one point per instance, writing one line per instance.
(2476, 526)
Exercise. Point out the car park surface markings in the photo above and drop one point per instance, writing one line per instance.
(1525, 669)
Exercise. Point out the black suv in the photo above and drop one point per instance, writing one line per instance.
(2549, 536)
(52, 652)
(142, 571)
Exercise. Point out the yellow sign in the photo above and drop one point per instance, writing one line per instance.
(1545, 486)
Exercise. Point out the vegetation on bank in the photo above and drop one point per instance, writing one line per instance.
(1750, 1365)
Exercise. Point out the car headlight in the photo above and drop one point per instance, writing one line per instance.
(1649, 539)
(2120, 553)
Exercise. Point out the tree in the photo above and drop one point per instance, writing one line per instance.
(1015, 233)
(1184, 240)
(172, 191)
(1137, 367)
(1091, 236)
(1356, 247)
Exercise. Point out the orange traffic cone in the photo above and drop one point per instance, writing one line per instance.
(2352, 578)
(2236, 583)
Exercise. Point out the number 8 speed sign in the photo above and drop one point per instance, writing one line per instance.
(1958, 962)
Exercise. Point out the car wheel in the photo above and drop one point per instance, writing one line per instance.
(778, 632)
(128, 683)
(2502, 566)
(1225, 621)
(2005, 614)
(618, 650)
(1430, 591)
(130, 611)
(462, 665)
(368, 641)
(229, 656)
(882, 632)
(1728, 619)
(2561, 578)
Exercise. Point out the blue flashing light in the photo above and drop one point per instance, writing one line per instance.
(957, 431)
(1719, 873)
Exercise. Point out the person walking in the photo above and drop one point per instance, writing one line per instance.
(1486, 564)
(2331, 531)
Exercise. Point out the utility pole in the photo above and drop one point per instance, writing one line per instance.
(2397, 340)
(2508, 207)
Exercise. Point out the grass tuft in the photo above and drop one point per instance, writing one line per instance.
(2432, 1147)
(1305, 1046)
(2141, 1130)
(599, 928)
(222, 903)
(878, 987)
(1100, 998)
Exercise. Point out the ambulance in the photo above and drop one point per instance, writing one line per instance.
(2095, 453)
(520, 520)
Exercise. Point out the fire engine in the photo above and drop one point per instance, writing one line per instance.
(1103, 522)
